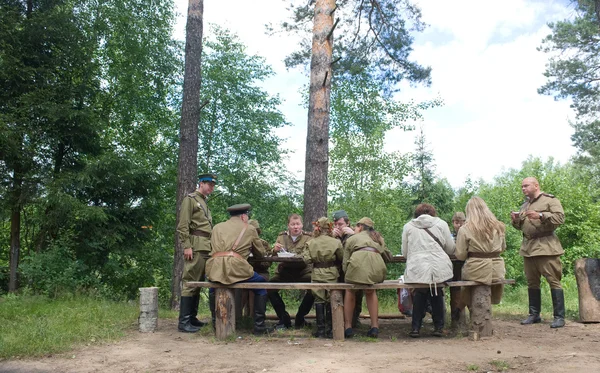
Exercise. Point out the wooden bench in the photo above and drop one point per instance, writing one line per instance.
(481, 314)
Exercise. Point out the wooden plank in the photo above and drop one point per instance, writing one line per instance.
(225, 312)
(391, 284)
(337, 314)
(296, 259)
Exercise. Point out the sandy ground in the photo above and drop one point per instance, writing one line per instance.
(513, 348)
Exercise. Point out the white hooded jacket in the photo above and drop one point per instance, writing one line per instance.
(426, 261)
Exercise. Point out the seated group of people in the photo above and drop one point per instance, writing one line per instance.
(334, 252)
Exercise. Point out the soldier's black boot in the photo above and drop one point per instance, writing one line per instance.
(357, 309)
(320, 312)
(304, 309)
(260, 308)
(279, 307)
(212, 306)
(535, 306)
(558, 301)
(194, 320)
(328, 322)
(185, 315)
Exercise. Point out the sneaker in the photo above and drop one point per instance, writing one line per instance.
(414, 334)
(437, 333)
(348, 333)
(373, 333)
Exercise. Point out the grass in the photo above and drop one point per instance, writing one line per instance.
(500, 365)
(472, 367)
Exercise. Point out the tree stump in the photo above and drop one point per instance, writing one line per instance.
(225, 312)
(148, 319)
(587, 272)
(337, 314)
(481, 311)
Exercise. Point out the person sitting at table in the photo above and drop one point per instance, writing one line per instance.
(426, 245)
(262, 268)
(325, 253)
(480, 242)
(365, 255)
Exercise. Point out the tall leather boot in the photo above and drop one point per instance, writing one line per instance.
(558, 301)
(357, 309)
(194, 320)
(260, 308)
(320, 311)
(328, 321)
(185, 315)
(303, 310)
(279, 307)
(212, 305)
(535, 306)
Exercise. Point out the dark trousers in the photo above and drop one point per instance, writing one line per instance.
(255, 278)
(420, 298)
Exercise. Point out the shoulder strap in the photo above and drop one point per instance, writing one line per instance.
(205, 210)
(434, 237)
(236, 243)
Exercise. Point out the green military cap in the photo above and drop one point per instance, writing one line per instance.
(337, 215)
(239, 209)
(203, 178)
(323, 223)
(366, 222)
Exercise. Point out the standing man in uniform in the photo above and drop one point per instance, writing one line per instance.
(232, 242)
(292, 241)
(538, 217)
(193, 232)
(342, 231)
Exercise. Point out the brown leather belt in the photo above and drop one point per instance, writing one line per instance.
(328, 264)
(227, 253)
(368, 249)
(538, 235)
(200, 234)
(483, 255)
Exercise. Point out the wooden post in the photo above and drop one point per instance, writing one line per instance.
(587, 273)
(225, 312)
(481, 311)
(337, 314)
(148, 319)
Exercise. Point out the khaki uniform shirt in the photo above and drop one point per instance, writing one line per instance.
(484, 270)
(263, 267)
(296, 247)
(231, 269)
(364, 267)
(553, 216)
(320, 250)
(194, 215)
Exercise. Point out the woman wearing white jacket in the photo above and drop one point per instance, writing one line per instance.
(426, 245)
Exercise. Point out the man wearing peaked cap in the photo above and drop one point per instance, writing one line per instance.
(232, 242)
(193, 232)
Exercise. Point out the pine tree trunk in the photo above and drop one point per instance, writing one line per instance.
(317, 138)
(188, 135)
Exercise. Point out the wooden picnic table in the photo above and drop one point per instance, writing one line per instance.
(298, 259)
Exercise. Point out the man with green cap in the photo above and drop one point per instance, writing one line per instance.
(232, 242)
(193, 232)
(343, 231)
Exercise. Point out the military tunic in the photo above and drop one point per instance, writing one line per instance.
(484, 270)
(364, 267)
(231, 269)
(193, 231)
(262, 268)
(541, 248)
(326, 253)
(293, 272)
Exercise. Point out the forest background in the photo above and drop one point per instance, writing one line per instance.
(89, 119)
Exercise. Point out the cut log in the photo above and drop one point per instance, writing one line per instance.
(337, 314)
(481, 311)
(225, 312)
(587, 273)
(148, 319)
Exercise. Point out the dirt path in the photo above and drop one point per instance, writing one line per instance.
(514, 348)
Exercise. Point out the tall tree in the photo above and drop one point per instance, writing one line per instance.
(188, 131)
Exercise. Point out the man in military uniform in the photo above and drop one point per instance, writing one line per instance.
(232, 242)
(262, 268)
(193, 232)
(342, 231)
(291, 241)
(538, 217)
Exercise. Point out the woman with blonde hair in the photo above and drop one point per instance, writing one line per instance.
(480, 242)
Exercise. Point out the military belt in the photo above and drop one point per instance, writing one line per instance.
(227, 253)
(538, 235)
(484, 255)
(328, 264)
(373, 250)
(200, 234)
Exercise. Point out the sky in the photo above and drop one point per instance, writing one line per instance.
(485, 68)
